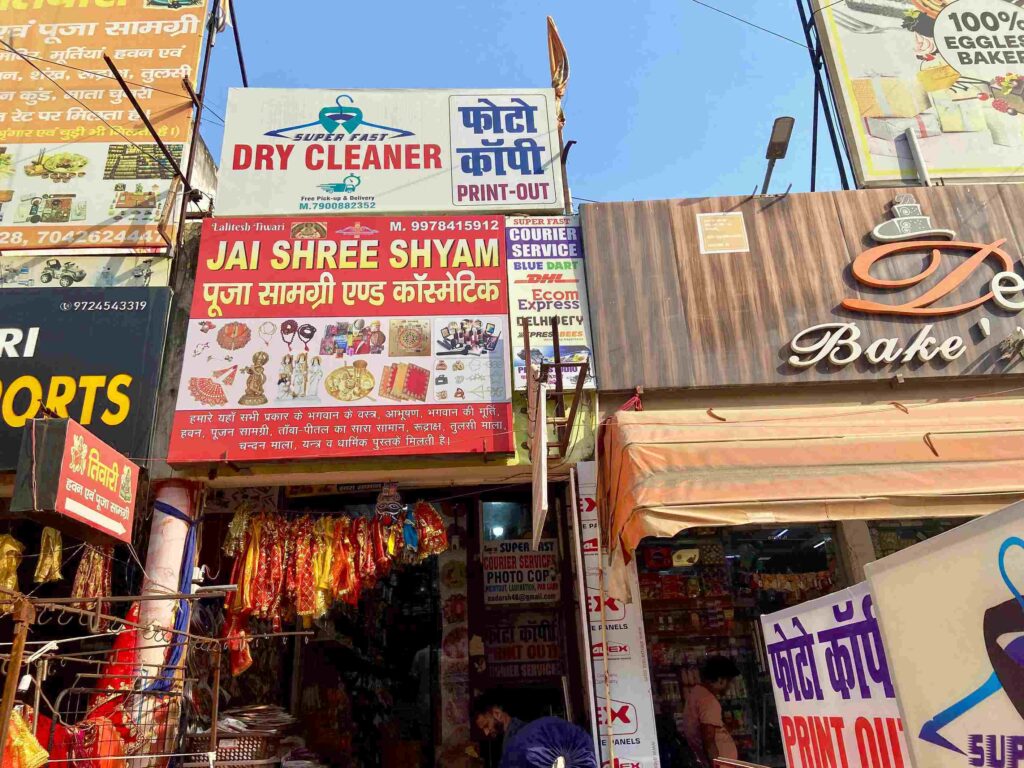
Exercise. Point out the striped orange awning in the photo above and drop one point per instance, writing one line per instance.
(664, 471)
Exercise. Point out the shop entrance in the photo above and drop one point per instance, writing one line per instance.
(387, 679)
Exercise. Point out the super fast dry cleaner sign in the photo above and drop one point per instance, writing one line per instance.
(351, 151)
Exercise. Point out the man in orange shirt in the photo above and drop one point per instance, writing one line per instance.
(702, 714)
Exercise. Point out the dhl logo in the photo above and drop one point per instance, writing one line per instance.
(548, 277)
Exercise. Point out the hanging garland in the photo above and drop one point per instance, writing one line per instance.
(302, 567)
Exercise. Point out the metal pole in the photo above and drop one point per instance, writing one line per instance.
(215, 705)
(915, 151)
(238, 44)
(23, 616)
(820, 88)
(193, 141)
(767, 176)
(814, 141)
(145, 119)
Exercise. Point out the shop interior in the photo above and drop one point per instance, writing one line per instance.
(703, 593)
(386, 679)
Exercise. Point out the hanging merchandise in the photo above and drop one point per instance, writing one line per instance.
(10, 559)
(22, 749)
(50, 555)
(92, 579)
(300, 568)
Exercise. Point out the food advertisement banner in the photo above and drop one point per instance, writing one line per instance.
(77, 166)
(89, 354)
(625, 714)
(515, 573)
(317, 338)
(291, 151)
(831, 681)
(951, 71)
(546, 281)
(453, 675)
(952, 618)
(97, 484)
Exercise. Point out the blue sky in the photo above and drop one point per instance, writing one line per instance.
(666, 99)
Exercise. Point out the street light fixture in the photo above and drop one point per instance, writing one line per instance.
(782, 131)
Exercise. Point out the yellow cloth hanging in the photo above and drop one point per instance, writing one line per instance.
(51, 549)
(10, 559)
(323, 563)
(22, 749)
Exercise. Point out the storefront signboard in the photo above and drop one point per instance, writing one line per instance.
(517, 574)
(836, 286)
(524, 646)
(90, 354)
(618, 649)
(56, 270)
(951, 71)
(335, 337)
(831, 681)
(78, 169)
(292, 151)
(547, 281)
(69, 478)
(952, 615)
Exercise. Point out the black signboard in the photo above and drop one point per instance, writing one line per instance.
(90, 354)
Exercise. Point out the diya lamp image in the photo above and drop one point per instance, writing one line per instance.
(255, 381)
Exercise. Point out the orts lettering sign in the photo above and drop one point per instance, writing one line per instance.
(90, 354)
(957, 261)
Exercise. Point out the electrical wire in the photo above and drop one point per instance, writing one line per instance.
(752, 24)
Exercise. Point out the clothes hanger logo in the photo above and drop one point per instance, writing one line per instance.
(338, 122)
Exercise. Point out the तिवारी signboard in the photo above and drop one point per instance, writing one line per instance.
(832, 687)
(291, 151)
(952, 617)
(950, 71)
(77, 166)
(97, 484)
(618, 650)
(546, 279)
(316, 338)
(91, 354)
(515, 573)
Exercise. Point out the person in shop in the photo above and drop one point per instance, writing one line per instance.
(702, 714)
(542, 743)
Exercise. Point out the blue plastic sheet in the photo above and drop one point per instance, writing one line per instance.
(540, 743)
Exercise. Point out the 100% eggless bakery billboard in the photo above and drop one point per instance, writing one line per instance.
(89, 354)
(338, 337)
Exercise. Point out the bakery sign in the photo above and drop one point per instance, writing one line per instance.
(910, 232)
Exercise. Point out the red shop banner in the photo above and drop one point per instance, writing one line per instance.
(343, 337)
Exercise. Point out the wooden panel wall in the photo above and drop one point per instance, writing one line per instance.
(666, 316)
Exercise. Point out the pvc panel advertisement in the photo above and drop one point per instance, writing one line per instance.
(950, 71)
(832, 686)
(290, 151)
(317, 338)
(625, 716)
(952, 618)
(78, 169)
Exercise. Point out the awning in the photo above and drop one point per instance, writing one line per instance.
(665, 471)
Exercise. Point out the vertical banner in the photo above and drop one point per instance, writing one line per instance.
(546, 280)
(831, 682)
(78, 168)
(625, 706)
(333, 337)
(953, 619)
(453, 675)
